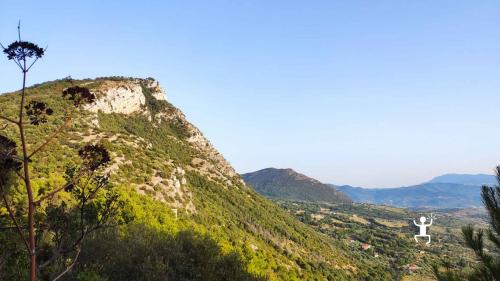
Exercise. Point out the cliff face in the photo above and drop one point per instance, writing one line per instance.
(124, 97)
(166, 162)
(131, 97)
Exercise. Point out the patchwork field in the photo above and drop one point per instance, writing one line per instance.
(381, 237)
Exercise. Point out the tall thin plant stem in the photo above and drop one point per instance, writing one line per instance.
(27, 181)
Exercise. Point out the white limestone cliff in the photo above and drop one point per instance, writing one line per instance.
(127, 96)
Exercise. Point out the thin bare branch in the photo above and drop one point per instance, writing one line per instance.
(11, 227)
(19, 64)
(56, 253)
(70, 267)
(8, 119)
(29, 67)
(44, 50)
(55, 191)
(19, 175)
(51, 137)
(50, 194)
(11, 156)
(60, 251)
(19, 30)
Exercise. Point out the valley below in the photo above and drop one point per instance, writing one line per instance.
(376, 229)
(381, 238)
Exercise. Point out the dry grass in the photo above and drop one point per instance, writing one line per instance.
(391, 223)
(358, 219)
(317, 217)
(418, 278)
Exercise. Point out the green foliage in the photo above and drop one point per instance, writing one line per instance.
(448, 274)
(13, 263)
(388, 232)
(488, 268)
(163, 137)
(51, 221)
(8, 164)
(140, 253)
(241, 211)
(247, 234)
(156, 106)
(87, 275)
(290, 185)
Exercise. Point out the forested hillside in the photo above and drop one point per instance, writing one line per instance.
(192, 217)
(288, 184)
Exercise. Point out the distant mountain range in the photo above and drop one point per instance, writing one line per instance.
(446, 191)
(466, 179)
(288, 184)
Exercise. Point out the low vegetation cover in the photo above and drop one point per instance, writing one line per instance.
(484, 242)
(381, 237)
(254, 238)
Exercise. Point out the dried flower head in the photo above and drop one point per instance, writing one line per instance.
(21, 50)
(7, 153)
(94, 156)
(37, 112)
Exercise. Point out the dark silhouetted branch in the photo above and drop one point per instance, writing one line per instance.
(8, 119)
(68, 269)
(19, 175)
(55, 191)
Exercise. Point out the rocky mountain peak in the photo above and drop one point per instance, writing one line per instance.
(125, 95)
(145, 99)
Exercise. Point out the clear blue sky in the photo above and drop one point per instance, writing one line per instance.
(370, 93)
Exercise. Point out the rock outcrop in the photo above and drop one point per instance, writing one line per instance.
(125, 97)
(129, 97)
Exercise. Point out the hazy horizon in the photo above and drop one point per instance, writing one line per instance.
(381, 94)
(377, 187)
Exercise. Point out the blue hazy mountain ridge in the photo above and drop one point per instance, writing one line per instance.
(430, 195)
(446, 191)
(479, 179)
(288, 184)
(442, 192)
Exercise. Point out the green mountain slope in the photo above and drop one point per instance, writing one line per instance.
(174, 180)
(288, 184)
